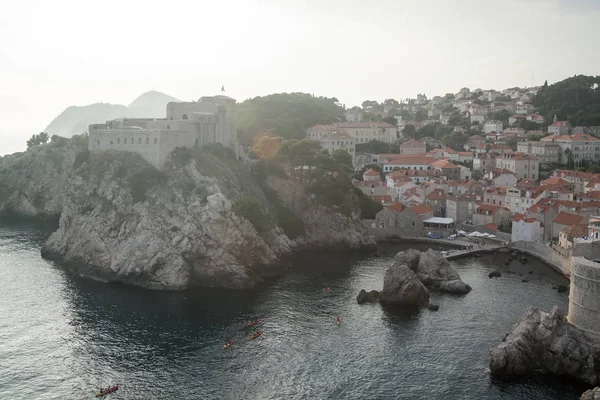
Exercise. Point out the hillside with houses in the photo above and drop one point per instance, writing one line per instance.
(509, 163)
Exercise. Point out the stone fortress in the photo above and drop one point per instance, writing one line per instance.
(187, 124)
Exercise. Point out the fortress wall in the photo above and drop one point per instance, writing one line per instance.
(584, 297)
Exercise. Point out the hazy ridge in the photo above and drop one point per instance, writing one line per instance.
(75, 119)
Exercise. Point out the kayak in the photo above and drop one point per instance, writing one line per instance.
(338, 322)
(255, 322)
(107, 391)
(228, 345)
(257, 334)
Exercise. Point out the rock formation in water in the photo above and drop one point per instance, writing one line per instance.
(547, 342)
(205, 220)
(409, 257)
(434, 270)
(592, 394)
(367, 297)
(402, 287)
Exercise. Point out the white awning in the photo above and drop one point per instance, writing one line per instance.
(439, 220)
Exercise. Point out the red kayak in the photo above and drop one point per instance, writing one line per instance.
(257, 334)
(107, 391)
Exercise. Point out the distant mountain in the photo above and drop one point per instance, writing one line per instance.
(75, 119)
(150, 104)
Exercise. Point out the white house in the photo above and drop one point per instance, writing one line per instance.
(477, 118)
(502, 177)
(492, 126)
(526, 228)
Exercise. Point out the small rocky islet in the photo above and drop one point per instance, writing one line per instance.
(408, 281)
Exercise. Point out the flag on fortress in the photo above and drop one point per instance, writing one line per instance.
(222, 88)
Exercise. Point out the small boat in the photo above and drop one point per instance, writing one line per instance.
(255, 322)
(338, 322)
(257, 334)
(107, 391)
(228, 345)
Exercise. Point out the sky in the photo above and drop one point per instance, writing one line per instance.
(55, 54)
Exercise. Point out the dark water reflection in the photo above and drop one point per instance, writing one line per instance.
(70, 335)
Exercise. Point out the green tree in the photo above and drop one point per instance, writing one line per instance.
(570, 158)
(303, 153)
(391, 120)
(409, 131)
(477, 174)
(250, 208)
(421, 115)
(38, 139)
(502, 116)
(512, 142)
(406, 115)
(456, 141)
(594, 169)
(576, 99)
(528, 125)
(286, 115)
(341, 156)
(370, 103)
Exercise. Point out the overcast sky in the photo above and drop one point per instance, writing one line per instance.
(58, 53)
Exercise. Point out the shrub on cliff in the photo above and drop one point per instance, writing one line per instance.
(141, 181)
(368, 207)
(250, 208)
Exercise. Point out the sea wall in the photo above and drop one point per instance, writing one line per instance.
(546, 254)
(584, 297)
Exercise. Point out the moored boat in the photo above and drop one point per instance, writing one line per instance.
(228, 345)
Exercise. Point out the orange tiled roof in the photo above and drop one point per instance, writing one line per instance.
(371, 172)
(437, 194)
(555, 180)
(421, 209)
(566, 218)
(396, 207)
(444, 164)
(482, 208)
(574, 231)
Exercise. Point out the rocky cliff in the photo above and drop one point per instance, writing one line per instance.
(547, 342)
(206, 220)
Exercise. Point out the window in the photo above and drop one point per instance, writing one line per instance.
(413, 223)
(111, 142)
(125, 141)
(140, 141)
(147, 140)
(118, 140)
(156, 141)
(184, 116)
(132, 141)
(98, 142)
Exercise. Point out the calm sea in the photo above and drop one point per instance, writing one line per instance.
(62, 337)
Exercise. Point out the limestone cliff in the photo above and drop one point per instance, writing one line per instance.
(32, 183)
(547, 342)
(121, 220)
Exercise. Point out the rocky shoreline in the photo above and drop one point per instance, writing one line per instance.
(122, 220)
(546, 342)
